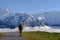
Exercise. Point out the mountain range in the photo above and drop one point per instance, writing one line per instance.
(11, 20)
(51, 18)
(8, 19)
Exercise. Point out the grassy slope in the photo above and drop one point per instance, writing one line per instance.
(41, 36)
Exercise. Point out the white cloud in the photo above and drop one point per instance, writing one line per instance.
(27, 29)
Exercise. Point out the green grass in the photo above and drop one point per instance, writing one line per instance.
(1, 35)
(41, 36)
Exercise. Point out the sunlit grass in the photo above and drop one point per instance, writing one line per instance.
(41, 36)
(1, 35)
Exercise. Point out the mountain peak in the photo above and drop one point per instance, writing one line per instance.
(4, 10)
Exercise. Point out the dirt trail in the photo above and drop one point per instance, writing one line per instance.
(12, 36)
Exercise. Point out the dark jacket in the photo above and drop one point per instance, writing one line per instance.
(20, 27)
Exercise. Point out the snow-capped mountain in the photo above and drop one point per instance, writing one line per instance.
(51, 18)
(32, 22)
(11, 20)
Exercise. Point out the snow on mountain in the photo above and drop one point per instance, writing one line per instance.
(32, 22)
(4, 13)
(11, 20)
(51, 18)
(41, 18)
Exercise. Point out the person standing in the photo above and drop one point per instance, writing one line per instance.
(20, 29)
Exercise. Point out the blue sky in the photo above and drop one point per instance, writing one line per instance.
(34, 6)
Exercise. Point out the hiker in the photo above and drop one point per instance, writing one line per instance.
(20, 29)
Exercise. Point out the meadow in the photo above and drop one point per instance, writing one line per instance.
(37, 35)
